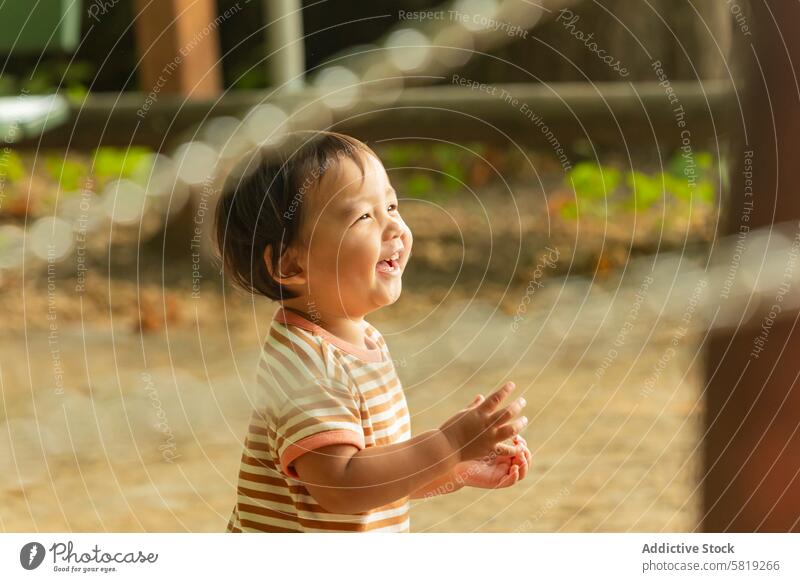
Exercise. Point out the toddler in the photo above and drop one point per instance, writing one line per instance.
(316, 228)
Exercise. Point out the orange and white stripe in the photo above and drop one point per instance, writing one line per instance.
(315, 389)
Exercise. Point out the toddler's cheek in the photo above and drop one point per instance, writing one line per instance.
(407, 237)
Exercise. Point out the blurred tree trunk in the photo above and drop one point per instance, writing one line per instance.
(178, 44)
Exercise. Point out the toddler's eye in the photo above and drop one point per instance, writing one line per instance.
(362, 216)
(393, 207)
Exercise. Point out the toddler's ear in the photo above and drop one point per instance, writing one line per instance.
(288, 271)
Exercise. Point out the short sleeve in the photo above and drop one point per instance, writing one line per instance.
(319, 414)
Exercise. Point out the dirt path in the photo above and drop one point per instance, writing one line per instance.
(143, 432)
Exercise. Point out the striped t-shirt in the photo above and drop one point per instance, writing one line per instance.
(315, 389)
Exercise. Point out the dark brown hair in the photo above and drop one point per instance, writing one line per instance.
(262, 202)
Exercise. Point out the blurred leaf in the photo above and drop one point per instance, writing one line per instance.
(446, 154)
(704, 160)
(77, 72)
(697, 164)
(69, 174)
(76, 93)
(647, 190)
(115, 163)
(569, 210)
(52, 76)
(40, 84)
(8, 85)
(397, 155)
(11, 166)
(404, 154)
(591, 181)
(678, 187)
(420, 185)
(454, 175)
(677, 164)
(705, 191)
(478, 148)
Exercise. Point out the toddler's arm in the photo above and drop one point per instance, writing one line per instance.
(456, 479)
(447, 483)
(344, 479)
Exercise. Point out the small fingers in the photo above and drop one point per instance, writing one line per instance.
(503, 416)
(504, 449)
(523, 470)
(495, 398)
(520, 440)
(511, 478)
(513, 428)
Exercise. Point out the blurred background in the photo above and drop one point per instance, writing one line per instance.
(599, 212)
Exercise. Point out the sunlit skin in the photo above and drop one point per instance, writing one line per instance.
(349, 225)
(497, 471)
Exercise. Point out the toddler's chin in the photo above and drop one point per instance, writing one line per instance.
(390, 297)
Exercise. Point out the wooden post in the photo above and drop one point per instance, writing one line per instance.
(286, 57)
(752, 448)
(178, 44)
(713, 31)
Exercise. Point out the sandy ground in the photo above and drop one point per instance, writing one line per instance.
(143, 431)
(124, 408)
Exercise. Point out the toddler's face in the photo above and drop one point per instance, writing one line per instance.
(358, 245)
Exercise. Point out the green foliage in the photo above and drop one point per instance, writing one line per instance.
(116, 163)
(479, 148)
(569, 211)
(450, 165)
(8, 85)
(403, 154)
(592, 182)
(38, 84)
(594, 186)
(444, 153)
(108, 164)
(76, 93)
(688, 180)
(11, 167)
(454, 176)
(647, 190)
(704, 160)
(70, 77)
(69, 174)
(705, 191)
(420, 185)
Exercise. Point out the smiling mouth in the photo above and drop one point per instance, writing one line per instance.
(390, 265)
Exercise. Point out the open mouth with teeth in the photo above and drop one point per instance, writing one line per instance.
(390, 264)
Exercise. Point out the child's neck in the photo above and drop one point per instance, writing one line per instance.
(350, 329)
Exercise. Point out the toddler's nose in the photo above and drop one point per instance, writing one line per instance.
(394, 229)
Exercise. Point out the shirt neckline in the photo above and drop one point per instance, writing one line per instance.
(293, 318)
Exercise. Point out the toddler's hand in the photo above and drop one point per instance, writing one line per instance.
(495, 471)
(477, 430)
(524, 456)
